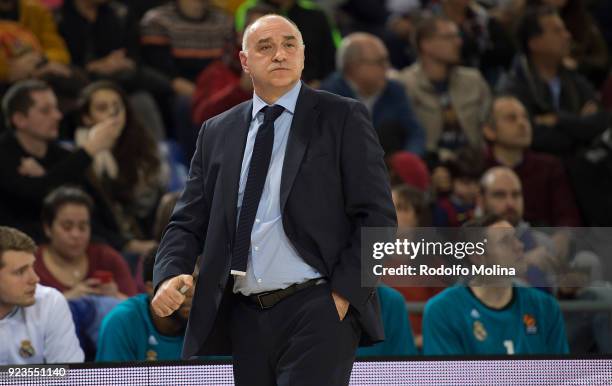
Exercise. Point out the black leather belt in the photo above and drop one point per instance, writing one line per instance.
(265, 300)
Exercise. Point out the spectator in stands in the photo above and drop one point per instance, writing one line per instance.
(486, 44)
(223, 84)
(181, 38)
(362, 64)
(458, 207)
(32, 163)
(561, 102)
(85, 25)
(407, 168)
(71, 263)
(320, 36)
(501, 194)
(412, 210)
(32, 48)
(133, 332)
(449, 100)
(589, 53)
(35, 322)
(493, 315)
(129, 172)
(549, 200)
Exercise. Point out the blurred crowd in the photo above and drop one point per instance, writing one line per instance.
(483, 107)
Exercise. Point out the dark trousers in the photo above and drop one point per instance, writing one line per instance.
(299, 341)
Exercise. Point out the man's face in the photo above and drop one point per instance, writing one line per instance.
(70, 231)
(512, 127)
(504, 247)
(445, 45)
(370, 72)
(274, 55)
(555, 40)
(41, 122)
(17, 279)
(503, 196)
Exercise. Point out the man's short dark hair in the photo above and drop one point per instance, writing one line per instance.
(18, 98)
(12, 239)
(426, 28)
(529, 25)
(469, 163)
(61, 196)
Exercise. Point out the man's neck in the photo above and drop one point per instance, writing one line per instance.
(434, 70)
(165, 326)
(507, 156)
(87, 9)
(32, 146)
(493, 297)
(271, 95)
(546, 67)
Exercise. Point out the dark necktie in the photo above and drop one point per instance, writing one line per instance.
(258, 170)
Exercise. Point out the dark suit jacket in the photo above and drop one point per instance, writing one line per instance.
(334, 182)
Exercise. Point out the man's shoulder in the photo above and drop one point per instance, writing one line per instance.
(541, 160)
(449, 298)
(47, 300)
(237, 112)
(410, 74)
(329, 101)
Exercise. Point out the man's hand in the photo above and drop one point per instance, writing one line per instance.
(589, 108)
(29, 167)
(169, 296)
(342, 305)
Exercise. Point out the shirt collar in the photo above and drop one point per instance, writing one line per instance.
(288, 100)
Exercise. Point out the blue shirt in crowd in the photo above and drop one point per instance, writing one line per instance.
(128, 334)
(456, 322)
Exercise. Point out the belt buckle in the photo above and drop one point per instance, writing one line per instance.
(261, 305)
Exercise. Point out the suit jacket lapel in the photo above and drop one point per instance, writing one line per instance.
(302, 125)
(236, 131)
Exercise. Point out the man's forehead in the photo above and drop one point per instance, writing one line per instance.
(14, 259)
(271, 27)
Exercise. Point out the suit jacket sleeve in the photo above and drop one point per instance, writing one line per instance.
(367, 199)
(185, 234)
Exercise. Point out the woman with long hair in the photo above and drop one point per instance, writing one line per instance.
(130, 175)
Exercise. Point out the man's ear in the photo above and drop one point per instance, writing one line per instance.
(18, 120)
(489, 133)
(243, 61)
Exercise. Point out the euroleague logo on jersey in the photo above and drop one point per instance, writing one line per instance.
(531, 326)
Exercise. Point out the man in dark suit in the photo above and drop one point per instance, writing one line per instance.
(278, 191)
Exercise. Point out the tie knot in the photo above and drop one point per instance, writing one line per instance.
(272, 112)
